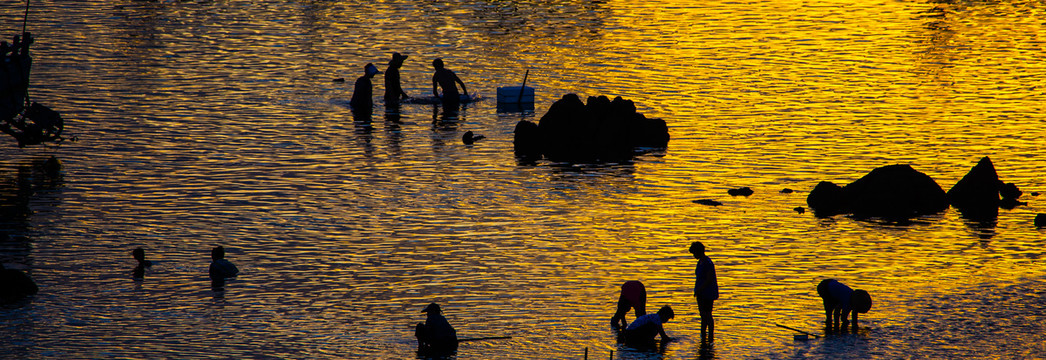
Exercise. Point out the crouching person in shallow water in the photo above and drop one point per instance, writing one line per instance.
(435, 335)
(646, 327)
(839, 301)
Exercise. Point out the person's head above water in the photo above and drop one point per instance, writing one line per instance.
(218, 253)
(432, 308)
(438, 63)
(138, 254)
(697, 248)
(666, 313)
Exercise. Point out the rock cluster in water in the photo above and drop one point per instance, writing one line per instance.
(900, 192)
(599, 131)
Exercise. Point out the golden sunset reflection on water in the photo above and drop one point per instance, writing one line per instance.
(207, 123)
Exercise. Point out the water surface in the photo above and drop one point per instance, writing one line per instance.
(204, 123)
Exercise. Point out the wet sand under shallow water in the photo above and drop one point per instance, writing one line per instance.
(196, 130)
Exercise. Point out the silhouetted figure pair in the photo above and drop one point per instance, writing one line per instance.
(15, 284)
(435, 335)
(706, 289)
(840, 301)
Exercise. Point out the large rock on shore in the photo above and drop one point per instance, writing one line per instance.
(894, 192)
(599, 131)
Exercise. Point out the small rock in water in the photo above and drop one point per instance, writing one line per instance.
(742, 191)
(1040, 220)
(799, 209)
(787, 191)
(708, 202)
(339, 80)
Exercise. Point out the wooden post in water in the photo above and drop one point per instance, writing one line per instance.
(586, 353)
(611, 354)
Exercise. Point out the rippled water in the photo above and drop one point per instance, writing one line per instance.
(216, 122)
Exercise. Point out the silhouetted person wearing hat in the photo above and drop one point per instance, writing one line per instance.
(221, 268)
(706, 289)
(839, 301)
(435, 335)
(646, 327)
(447, 80)
(363, 91)
(633, 296)
(139, 270)
(15, 284)
(393, 92)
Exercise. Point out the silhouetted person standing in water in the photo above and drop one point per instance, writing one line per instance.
(363, 91)
(447, 80)
(435, 335)
(221, 268)
(633, 296)
(706, 289)
(840, 300)
(139, 270)
(393, 92)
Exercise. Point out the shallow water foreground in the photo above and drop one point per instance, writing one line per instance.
(217, 123)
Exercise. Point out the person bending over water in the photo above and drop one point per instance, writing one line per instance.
(646, 327)
(446, 80)
(633, 296)
(435, 335)
(221, 268)
(840, 300)
(706, 289)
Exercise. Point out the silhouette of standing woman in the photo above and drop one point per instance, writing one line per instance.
(706, 289)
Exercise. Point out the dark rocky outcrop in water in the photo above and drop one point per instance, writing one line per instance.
(708, 202)
(741, 191)
(599, 131)
(1040, 220)
(900, 192)
(980, 193)
(894, 191)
